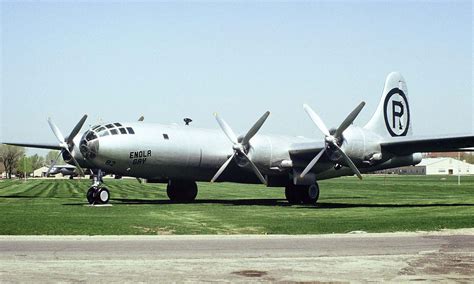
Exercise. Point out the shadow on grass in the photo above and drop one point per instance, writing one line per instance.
(279, 202)
(17, 196)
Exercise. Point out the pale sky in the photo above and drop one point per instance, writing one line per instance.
(166, 61)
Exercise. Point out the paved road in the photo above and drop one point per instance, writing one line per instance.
(358, 257)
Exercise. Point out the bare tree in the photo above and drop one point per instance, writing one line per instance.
(9, 156)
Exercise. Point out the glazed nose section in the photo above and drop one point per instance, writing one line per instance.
(89, 145)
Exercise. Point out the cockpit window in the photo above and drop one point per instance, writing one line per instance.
(123, 131)
(109, 126)
(104, 133)
(118, 124)
(100, 129)
(95, 127)
(130, 130)
(114, 131)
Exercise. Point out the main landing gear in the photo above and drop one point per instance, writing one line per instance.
(181, 191)
(97, 193)
(302, 194)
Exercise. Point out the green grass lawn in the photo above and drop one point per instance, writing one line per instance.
(376, 204)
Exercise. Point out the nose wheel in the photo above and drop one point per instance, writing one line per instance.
(98, 194)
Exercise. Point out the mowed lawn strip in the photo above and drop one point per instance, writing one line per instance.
(376, 204)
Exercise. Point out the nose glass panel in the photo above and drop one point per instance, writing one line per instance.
(89, 145)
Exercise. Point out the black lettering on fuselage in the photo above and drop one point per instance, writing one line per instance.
(139, 161)
(139, 157)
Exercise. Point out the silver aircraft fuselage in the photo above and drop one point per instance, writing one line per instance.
(162, 152)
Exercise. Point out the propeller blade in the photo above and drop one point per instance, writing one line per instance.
(255, 169)
(141, 118)
(139, 180)
(349, 162)
(349, 120)
(255, 128)
(227, 130)
(54, 163)
(76, 130)
(56, 132)
(79, 169)
(312, 163)
(222, 168)
(317, 120)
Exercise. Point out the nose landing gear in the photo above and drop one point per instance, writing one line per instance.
(98, 194)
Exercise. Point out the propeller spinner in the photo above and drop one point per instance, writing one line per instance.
(241, 148)
(333, 141)
(66, 144)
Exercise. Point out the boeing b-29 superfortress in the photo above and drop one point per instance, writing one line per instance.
(182, 155)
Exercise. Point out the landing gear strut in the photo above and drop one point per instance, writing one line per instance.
(181, 191)
(97, 193)
(302, 194)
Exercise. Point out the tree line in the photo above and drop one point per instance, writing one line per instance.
(14, 161)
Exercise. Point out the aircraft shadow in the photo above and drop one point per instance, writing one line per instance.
(16, 196)
(236, 202)
(284, 203)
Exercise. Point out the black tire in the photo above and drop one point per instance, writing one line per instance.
(292, 194)
(310, 194)
(102, 196)
(171, 191)
(182, 191)
(90, 195)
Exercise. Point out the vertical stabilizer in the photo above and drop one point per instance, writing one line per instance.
(392, 117)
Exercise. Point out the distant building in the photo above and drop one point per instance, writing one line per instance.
(41, 172)
(434, 166)
(441, 155)
(446, 166)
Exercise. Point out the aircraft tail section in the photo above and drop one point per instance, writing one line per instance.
(392, 117)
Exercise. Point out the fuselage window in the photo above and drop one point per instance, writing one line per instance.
(130, 130)
(109, 126)
(123, 131)
(105, 133)
(165, 136)
(118, 124)
(114, 131)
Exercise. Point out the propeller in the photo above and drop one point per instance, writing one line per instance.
(67, 143)
(332, 140)
(241, 148)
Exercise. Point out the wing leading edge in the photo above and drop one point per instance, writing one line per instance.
(409, 145)
(51, 146)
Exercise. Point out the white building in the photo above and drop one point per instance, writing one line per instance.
(41, 172)
(446, 166)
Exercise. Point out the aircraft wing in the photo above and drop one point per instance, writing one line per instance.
(306, 150)
(408, 145)
(52, 146)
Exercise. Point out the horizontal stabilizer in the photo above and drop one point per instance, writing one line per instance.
(409, 145)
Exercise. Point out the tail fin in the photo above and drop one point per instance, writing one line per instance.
(392, 117)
